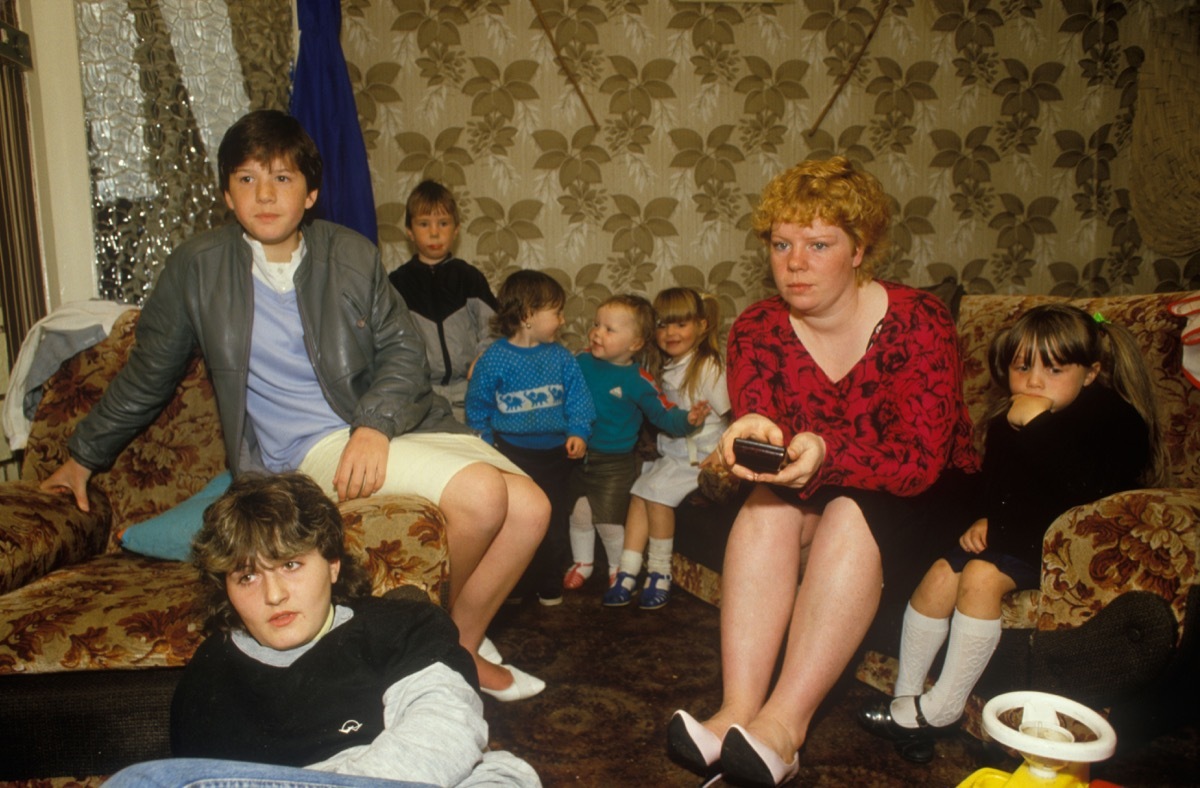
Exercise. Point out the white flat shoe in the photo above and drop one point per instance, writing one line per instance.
(487, 649)
(523, 686)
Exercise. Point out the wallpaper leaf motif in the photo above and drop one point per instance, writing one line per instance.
(1000, 128)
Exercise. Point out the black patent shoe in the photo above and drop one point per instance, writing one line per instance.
(912, 744)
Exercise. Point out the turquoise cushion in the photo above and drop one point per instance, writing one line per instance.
(169, 535)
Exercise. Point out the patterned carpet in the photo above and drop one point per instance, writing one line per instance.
(615, 675)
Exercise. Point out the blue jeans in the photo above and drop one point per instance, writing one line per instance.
(206, 773)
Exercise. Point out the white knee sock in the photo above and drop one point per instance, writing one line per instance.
(631, 564)
(658, 555)
(582, 533)
(921, 637)
(972, 643)
(612, 536)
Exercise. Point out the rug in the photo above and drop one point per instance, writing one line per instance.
(614, 676)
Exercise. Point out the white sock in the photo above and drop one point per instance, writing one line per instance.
(631, 564)
(972, 643)
(921, 637)
(612, 536)
(658, 555)
(582, 534)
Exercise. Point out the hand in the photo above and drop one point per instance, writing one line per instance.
(751, 426)
(71, 477)
(576, 447)
(363, 466)
(713, 460)
(1025, 407)
(805, 456)
(974, 539)
(698, 413)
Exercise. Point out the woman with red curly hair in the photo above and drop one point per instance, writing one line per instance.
(858, 380)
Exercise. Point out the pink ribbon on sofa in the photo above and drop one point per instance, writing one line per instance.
(1190, 337)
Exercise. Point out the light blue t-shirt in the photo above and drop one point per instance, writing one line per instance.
(284, 401)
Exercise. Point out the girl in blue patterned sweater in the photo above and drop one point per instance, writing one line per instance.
(528, 398)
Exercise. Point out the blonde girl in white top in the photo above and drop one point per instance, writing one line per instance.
(692, 371)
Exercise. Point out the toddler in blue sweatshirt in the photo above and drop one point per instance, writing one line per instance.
(623, 393)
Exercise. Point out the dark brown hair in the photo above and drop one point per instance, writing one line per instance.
(522, 294)
(266, 136)
(269, 517)
(1063, 334)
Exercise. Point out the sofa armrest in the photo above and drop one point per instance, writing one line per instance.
(401, 540)
(1141, 540)
(40, 532)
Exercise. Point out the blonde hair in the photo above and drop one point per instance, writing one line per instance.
(684, 305)
(837, 192)
(1063, 334)
(643, 323)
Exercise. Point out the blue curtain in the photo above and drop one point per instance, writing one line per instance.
(323, 101)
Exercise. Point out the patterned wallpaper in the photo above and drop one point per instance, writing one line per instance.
(1001, 128)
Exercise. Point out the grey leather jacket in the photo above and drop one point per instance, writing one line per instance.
(369, 359)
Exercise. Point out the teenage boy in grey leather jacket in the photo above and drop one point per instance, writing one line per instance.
(317, 367)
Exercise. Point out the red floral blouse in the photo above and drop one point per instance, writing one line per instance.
(893, 423)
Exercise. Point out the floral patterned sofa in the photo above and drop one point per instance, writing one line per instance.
(1114, 621)
(92, 637)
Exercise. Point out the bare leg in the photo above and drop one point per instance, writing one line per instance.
(637, 525)
(839, 594)
(662, 520)
(494, 523)
(982, 589)
(758, 582)
(937, 592)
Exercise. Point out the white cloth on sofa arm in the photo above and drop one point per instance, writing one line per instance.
(51, 341)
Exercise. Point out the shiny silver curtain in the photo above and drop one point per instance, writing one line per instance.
(162, 80)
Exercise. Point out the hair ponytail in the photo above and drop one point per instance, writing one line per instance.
(1123, 369)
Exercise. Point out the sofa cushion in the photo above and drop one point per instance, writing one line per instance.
(1093, 554)
(402, 541)
(169, 535)
(114, 611)
(124, 611)
(168, 462)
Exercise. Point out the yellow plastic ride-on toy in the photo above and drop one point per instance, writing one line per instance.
(1057, 736)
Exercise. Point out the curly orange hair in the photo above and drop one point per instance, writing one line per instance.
(837, 192)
